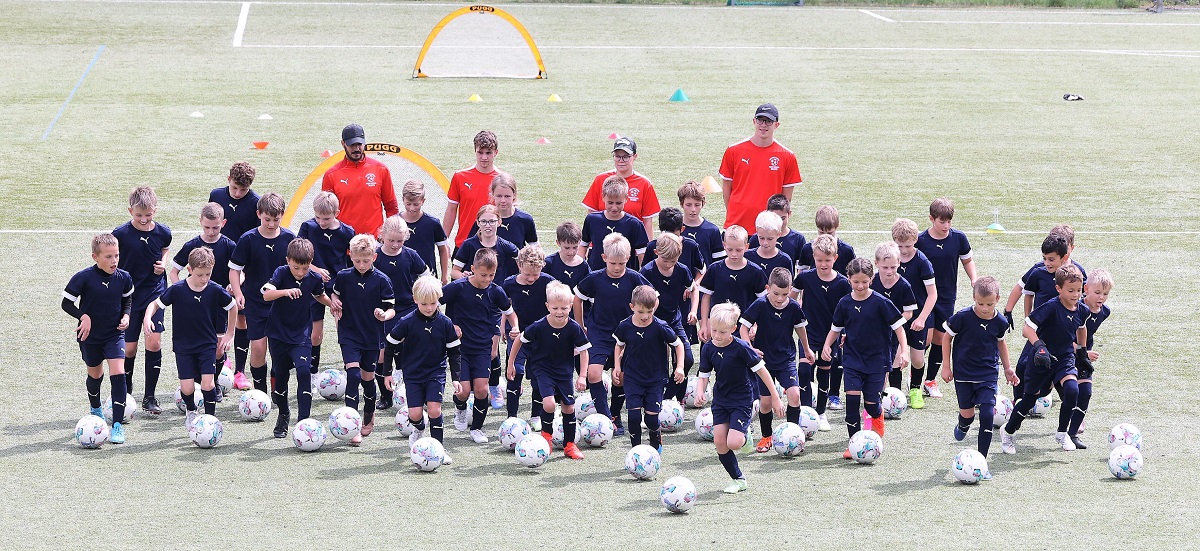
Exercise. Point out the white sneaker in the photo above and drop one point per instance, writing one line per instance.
(930, 389)
(835, 403)
(460, 420)
(191, 418)
(823, 423)
(446, 460)
(414, 436)
(1067, 444)
(479, 437)
(1008, 444)
(316, 383)
(535, 424)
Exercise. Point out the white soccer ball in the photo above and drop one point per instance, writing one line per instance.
(689, 395)
(399, 398)
(670, 416)
(894, 403)
(1002, 411)
(810, 421)
(206, 431)
(254, 405)
(1042, 405)
(404, 423)
(345, 423)
(596, 430)
(866, 446)
(678, 494)
(331, 384)
(704, 424)
(427, 454)
(1125, 461)
(788, 440)
(558, 436)
(585, 407)
(642, 462)
(969, 466)
(308, 435)
(91, 432)
(1125, 434)
(225, 379)
(532, 451)
(179, 403)
(131, 409)
(512, 430)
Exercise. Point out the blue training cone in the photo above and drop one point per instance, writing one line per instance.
(679, 96)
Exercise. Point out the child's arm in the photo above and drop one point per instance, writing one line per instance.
(705, 305)
(174, 275)
(802, 337)
(680, 376)
(1009, 374)
(765, 376)
(514, 330)
(581, 381)
(235, 287)
(827, 348)
(1013, 297)
(702, 386)
(1028, 304)
(273, 294)
(511, 372)
(160, 266)
(449, 218)
(577, 310)
(456, 273)
(901, 360)
(947, 372)
(147, 322)
(969, 267)
(444, 260)
(323, 298)
(744, 332)
(918, 324)
(618, 352)
(1030, 334)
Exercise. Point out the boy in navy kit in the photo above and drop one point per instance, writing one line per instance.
(476, 305)
(767, 254)
(768, 325)
(1098, 289)
(203, 314)
(867, 320)
(567, 265)
(673, 281)
(362, 302)
(527, 291)
(239, 203)
(644, 371)
(550, 346)
(918, 272)
(610, 291)
(945, 247)
(887, 282)
(790, 242)
(818, 291)
(105, 296)
(330, 239)
(974, 345)
(290, 292)
(695, 227)
(212, 221)
(1053, 331)
(428, 342)
(258, 254)
(425, 233)
(613, 219)
(516, 226)
(403, 266)
(733, 279)
(737, 365)
(670, 220)
(828, 222)
(1037, 287)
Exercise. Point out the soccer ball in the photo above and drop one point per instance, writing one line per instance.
(894, 403)
(1125, 434)
(404, 423)
(788, 440)
(131, 409)
(704, 424)
(345, 423)
(427, 454)
(1042, 405)
(532, 451)
(809, 421)
(1125, 461)
(559, 437)
(678, 494)
(642, 462)
(689, 395)
(584, 408)
(670, 417)
(225, 379)
(254, 405)
(1003, 411)
(179, 403)
(91, 432)
(866, 446)
(308, 435)
(512, 430)
(596, 430)
(969, 466)
(332, 384)
(206, 431)
(399, 398)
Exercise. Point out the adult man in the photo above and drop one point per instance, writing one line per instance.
(362, 185)
(756, 168)
(641, 200)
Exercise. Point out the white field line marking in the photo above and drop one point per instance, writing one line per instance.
(877, 16)
(1063, 23)
(241, 25)
(70, 96)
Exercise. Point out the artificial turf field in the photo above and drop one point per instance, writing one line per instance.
(886, 110)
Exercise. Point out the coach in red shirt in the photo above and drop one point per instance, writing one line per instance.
(756, 168)
(641, 201)
(362, 185)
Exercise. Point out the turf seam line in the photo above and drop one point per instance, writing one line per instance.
(78, 83)
(877, 16)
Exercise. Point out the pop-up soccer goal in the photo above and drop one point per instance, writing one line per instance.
(479, 41)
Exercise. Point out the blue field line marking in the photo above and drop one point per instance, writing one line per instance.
(72, 94)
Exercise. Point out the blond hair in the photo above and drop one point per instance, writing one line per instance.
(143, 197)
(212, 211)
(394, 224)
(531, 255)
(326, 204)
(427, 289)
(669, 246)
(413, 190)
(825, 243)
(201, 257)
(904, 230)
(986, 286)
(485, 258)
(503, 179)
(644, 296)
(1101, 279)
(363, 244)
(736, 233)
(616, 247)
(768, 221)
(886, 250)
(615, 187)
(724, 315)
(557, 290)
(103, 240)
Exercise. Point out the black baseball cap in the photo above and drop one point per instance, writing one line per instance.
(353, 134)
(767, 111)
(626, 145)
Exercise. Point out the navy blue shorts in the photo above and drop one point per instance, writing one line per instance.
(738, 417)
(975, 394)
(1038, 382)
(285, 357)
(562, 389)
(420, 393)
(917, 340)
(870, 384)
(366, 359)
(135, 323)
(786, 375)
(475, 365)
(256, 319)
(601, 352)
(942, 310)
(318, 311)
(646, 397)
(95, 352)
(194, 364)
(519, 362)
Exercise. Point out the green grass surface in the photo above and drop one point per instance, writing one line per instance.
(883, 116)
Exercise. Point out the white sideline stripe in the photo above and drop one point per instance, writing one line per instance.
(877, 16)
(848, 232)
(1064, 23)
(241, 25)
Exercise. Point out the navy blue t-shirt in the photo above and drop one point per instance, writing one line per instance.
(596, 227)
(945, 255)
(290, 320)
(1039, 282)
(735, 365)
(506, 256)
(330, 247)
(845, 253)
(403, 271)
(139, 251)
(1056, 326)
(257, 258)
(708, 236)
(780, 260)
(567, 275)
(476, 311)
(518, 229)
(791, 244)
(610, 298)
(670, 291)
(647, 356)
(222, 250)
(425, 236)
(690, 256)
(819, 299)
(975, 346)
(422, 342)
(1093, 320)
(241, 215)
(528, 301)
(197, 316)
(741, 287)
(775, 335)
(900, 293)
(868, 326)
(918, 272)
(361, 294)
(99, 295)
(552, 351)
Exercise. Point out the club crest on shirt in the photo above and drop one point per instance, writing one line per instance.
(774, 163)
(633, 194)
(370, 179)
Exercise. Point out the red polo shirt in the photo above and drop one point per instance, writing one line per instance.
(364, 191)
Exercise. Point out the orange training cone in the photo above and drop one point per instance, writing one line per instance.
(260, 145)
(614, 136)
(326, 154)
(710, 184)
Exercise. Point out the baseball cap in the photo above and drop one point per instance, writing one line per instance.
(626, 145)
(767, 111)
(353, 134)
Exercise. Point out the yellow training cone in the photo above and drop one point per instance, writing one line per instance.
(710, 184)
(554, 98)
(474, 98)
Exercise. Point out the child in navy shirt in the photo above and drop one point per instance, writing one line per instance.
(527, 291)
(707, 235)
(567, 265)
(828, 222)
(733, 279)
(239, 203)
(105, 296)
(673, 281)
(488, 221)
(258, 254)
(331, 239)
(1037, 287)
(1098, 289)
(918, 272)
(888, 283)
(144, 245)
(818, 291)
(790, 242)
(945, 247)
(516, 226)
(641, 363)
(765, 251)
(402, 265)
(670, 220)
(426, 235)
(613, 219)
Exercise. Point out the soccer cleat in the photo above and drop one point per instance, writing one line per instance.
(660, 451)
(736, 486)
(220, 393)
(915, 399)
(764, 445)
(117, 436)
(356, 440)
(959, 434)
(191, 418)
(618, 428)
(571, 450)
(478, 436)
(497, 397)
(383, 404)
(97, 412)
(446, 460)
(823, 423)
(835, 403)
(535, 424)
(549, 439)
(414, 436)
(846, 454)
(281, 424)
(987, 475)
(240, 381)
(1067, 444)
(150, 405)
(460, 420)
(930, 389)
(877, 425)
(368, 428)
(1008, 444)
(1079, 445)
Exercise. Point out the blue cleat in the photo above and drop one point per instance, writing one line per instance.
(97, 412)
(660, 451)
(835, 403)
(497, 398)
(959, 434)
(987, 475)
(117, 436)
(618, 430)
